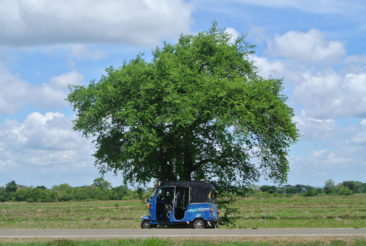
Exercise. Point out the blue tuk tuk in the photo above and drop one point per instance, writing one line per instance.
(191, 203)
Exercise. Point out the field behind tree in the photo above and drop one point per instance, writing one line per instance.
(258, 211)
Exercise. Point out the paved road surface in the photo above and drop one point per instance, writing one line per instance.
(188, 233)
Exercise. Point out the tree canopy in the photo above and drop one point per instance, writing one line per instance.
(197, 110)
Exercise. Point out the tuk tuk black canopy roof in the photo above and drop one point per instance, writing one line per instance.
(201, 191)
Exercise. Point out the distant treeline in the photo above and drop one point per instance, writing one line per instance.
(330, 188)
(102, 190)
(99, 190)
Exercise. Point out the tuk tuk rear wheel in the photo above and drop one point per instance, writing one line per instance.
(145, 224)
(199, 224)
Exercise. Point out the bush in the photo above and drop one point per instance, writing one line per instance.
(354, 186)
(22, 194)
(117, 193)
(3, 197)
(269, 189)
(311, 192)
(345, 191)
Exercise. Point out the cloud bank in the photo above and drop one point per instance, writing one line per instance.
(46, 147)
(44, 22)
(16, 93)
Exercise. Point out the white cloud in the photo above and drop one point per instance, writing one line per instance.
(310, 47)
(12, 93)
(233, 34)
(64, 80)
(268, 68)
(325, 86)
(344, 163)
(44, 145)
(316, 129)
(35, 22)
(360, 59)
(80, 52)
(359, 134)
(331, 94)
(15, 93)
(51, 131)
(363, 122)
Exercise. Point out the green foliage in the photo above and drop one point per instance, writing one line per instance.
(269, 189)
(354, 186)
(228, 194)
(345, 191)
(3, 194)
(119, 192)
(11, 187)
(140, 192)
(102, 184)
(311, 192)
(99, 190)
(329, 186)
(197, 110)
(64, 192)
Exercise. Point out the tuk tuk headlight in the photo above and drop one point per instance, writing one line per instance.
(148, 205)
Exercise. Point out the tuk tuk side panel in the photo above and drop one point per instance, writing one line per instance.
(152, 209)
(201, 210)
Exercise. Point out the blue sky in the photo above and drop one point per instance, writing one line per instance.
(316, 47)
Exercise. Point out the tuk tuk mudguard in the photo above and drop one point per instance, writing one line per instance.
(146, 217)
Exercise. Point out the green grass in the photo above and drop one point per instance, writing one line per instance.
(298, 211)
(92, 214)
(199, 242)
(260, 211)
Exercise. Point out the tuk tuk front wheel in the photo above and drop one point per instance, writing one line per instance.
(145, 224)
(199, 224)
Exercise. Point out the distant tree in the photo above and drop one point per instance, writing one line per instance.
(329, 186)
(354, 186)
(101, 184)
(119, 192)
(140, 192)
(81, 193)
(3, 194)
(289, 189)
(11, 187)
(197, 110)
(22, 194)
(311, 192)
(267, 188)
(63, 191)
(363, 188)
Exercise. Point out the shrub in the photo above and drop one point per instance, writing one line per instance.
(269, 189)
(345, 191)
(311, 192)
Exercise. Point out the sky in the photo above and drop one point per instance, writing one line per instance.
(316, 47)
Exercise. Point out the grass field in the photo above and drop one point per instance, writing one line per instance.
(196, 242)
(253, 212)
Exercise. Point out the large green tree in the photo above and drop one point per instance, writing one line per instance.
(197, 110)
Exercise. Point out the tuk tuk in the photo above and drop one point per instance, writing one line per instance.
(190, 203)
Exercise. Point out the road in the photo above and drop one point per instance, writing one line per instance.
(181, 233)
